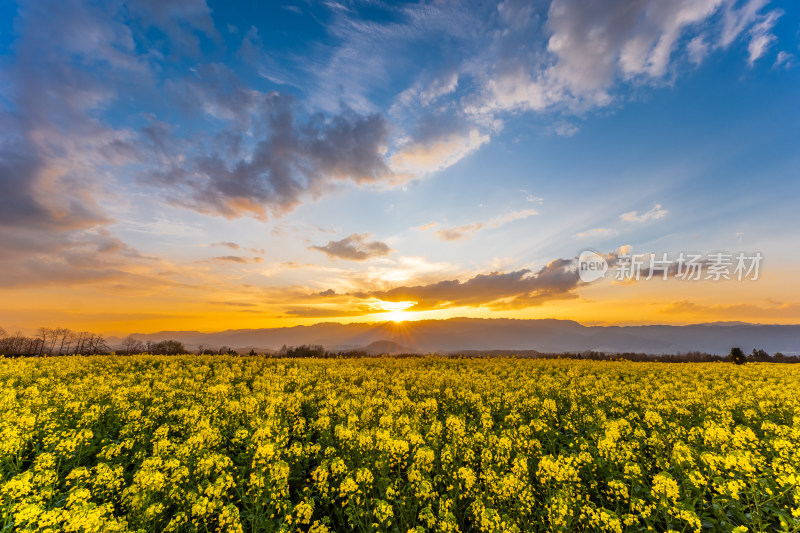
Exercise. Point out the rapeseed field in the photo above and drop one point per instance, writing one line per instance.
(189, 443)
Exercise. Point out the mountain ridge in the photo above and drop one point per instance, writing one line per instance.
(544, 335)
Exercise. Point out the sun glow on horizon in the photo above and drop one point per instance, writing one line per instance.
(399, 316)
(396, 311)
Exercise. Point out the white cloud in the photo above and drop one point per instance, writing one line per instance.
(518, 91)
(596, 43)
(566, 129)
(372, 55)
(735, 21)
(532, 198)
(761, 36)
(654, 213)
(420, 95)
(439, 87)
(784, 59)
(697, 49)
(589, 49)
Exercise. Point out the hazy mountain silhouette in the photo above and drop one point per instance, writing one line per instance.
(503, 334)
(390, 347)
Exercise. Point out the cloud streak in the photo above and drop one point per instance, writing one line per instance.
(731, 311)
(464, 231)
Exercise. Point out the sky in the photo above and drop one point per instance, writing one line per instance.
(209, 165)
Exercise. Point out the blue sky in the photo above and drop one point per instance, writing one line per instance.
(251, 163)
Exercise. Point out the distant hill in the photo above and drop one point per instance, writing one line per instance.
(390, 347)
(457, 334)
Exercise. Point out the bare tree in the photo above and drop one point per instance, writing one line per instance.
(18, 344)
(99, 345)
(131, 345)
(4, 341)
(65, 334)
(80, 342)
(54, 334)
(15, 343)
(70, 338)
(92, 344)
(43, 335)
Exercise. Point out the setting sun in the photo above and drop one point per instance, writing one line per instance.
(396, 311)
(399, 316)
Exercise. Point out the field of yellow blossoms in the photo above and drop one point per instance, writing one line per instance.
(149, 443)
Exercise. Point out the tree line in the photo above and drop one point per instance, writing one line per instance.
(63, 341)
(736, 355)
(759, 356)
(53, 341)
(131, 345)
